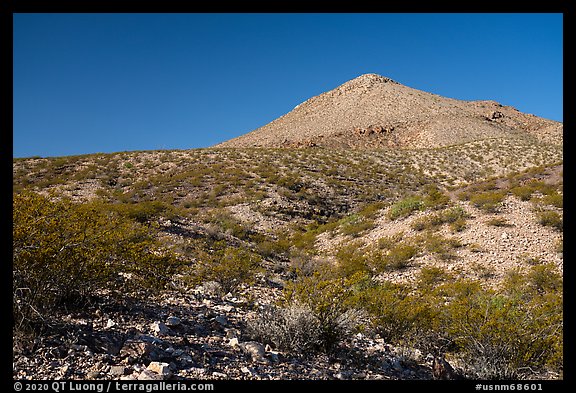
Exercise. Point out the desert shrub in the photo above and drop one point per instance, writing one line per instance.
(433, 221)
(63, 253)
(397, 313)
(327, 298)
(352, 259)
(432, 276)
(488, 202)
(355, 224)
(371, 210)
(397, 257)
(549, 218)
(434, 198)
(291, 328)
(273, 248)
(227, 224)
(228, 266)
(143, 211)
(553, 199)
(498, 222)
(387, 242)
(440, 246)
(405, 207)
(458, 225)
(544, 278)
(524, 193)
(559, 246)
(503, 335)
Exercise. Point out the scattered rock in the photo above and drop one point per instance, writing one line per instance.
(160, 328)
(162, 369)
(222, 320)
(117, 371)
(147, 375)
(172, 321)
(255, 350)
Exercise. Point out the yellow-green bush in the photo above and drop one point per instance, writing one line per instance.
(228, 266)
(489, 201)
(64, 252)
(549, 218)
(405, 207)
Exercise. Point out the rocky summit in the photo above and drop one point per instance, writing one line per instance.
(372, 111)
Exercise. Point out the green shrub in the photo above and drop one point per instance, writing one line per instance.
(459, 225)
(352, 259)
(397, 314)
(430, 277)
(434, 198)
(522, 192)
(554, 199)
(433, 221)
(439, 245)
(549, 218)
(355, 224)
(405, 207)
(498, 222)
(64, 253)
(505, 335)
(228, 266)
(488, 202)
(398, 257)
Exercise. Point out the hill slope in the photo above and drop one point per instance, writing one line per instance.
(372, 111)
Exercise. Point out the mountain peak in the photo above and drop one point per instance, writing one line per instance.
(372, 111)
(368, 80)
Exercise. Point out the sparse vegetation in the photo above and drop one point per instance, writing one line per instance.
(550, 218)
(405, 207)
(488, 202)
(312, 218)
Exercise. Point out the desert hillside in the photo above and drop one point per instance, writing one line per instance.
(372, 111)
(311, 263)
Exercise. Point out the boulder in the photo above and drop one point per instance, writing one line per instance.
(256, 351)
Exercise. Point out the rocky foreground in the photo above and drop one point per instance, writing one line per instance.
(196, 335)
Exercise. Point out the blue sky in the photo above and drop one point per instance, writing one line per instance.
(87, 83)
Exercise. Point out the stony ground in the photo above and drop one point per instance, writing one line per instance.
(488, 251)
(195, 335)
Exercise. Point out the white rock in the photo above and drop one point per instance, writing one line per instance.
(148, 375)
(255, 350)
(160, 368)
(110, 324)
(233, 342)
